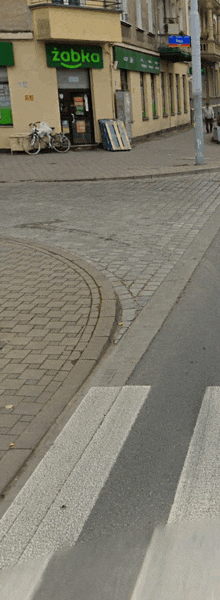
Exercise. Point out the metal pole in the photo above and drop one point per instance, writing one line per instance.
(197, 81)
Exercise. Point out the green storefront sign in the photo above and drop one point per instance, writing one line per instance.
(6, 54)
(136, 61)
(74, 57)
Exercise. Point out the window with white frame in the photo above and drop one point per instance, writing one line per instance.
(139, 14)
(150, 16)
(124, 13)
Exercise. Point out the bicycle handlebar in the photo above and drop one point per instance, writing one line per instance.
(34, 123)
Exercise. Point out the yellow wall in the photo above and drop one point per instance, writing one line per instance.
(58, 23)
(142, 127)
(102, 91)
(31, 69)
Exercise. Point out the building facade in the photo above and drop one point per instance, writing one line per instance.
(73, 62)
(209, 11)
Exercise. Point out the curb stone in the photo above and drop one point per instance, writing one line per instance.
(14, 460)
(165, 172)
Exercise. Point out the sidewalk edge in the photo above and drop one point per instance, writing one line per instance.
(165, 172)
(101, 339)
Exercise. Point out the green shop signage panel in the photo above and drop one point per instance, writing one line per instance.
(74, 57)
(6, 54)
(136, 61)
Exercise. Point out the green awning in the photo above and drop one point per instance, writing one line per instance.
(175, 54)
(6, 54)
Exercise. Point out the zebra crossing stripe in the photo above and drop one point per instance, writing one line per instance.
(182, 560)
(51, 509)
(198, 491)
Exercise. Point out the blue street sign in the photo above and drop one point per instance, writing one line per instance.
(175, 41)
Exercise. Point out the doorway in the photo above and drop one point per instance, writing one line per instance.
(76, 116)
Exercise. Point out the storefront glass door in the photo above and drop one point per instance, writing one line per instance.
(76, 116)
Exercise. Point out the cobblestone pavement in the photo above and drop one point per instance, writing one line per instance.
(132, 231)
(166, 153)
(49, 310)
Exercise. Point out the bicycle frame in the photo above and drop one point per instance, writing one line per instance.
(47, 140)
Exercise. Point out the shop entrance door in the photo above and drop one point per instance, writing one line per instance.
(76, 116)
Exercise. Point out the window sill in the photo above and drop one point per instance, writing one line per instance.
(179, 112)
(165, 116)
(126, 23)
(151, 34)
(140, 29)
(145, 118)
(173, 114)
(156, 117)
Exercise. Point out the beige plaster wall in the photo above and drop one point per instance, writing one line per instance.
(150, 125)
(31, 76)
(15, 16)
(59, 23)
(102, 91)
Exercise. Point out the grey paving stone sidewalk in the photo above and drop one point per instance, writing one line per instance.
(166, 153)
(50, 308)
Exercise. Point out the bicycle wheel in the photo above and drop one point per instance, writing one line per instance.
(31, 144)
(60, 143)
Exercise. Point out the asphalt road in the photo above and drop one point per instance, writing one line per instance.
(181, 362)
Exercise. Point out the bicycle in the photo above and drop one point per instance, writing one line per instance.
(35, 140)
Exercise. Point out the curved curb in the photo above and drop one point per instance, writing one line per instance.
(101, 338)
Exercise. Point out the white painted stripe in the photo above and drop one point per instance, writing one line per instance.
(72, 473)
(182, 563)
(35, 498)
(20, 582)
(185, 555)
(142, 584)
(198, 492)
(81, 490)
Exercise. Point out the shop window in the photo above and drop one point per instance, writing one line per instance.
(153, 95)
(150, 16)
(5, 101)
(178, 94)
(171, 93)
(124, 80)
(124, 13)
(184, 94)
(138, 14)
(143, 102)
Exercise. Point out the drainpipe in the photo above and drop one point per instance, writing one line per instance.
(197, 81)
